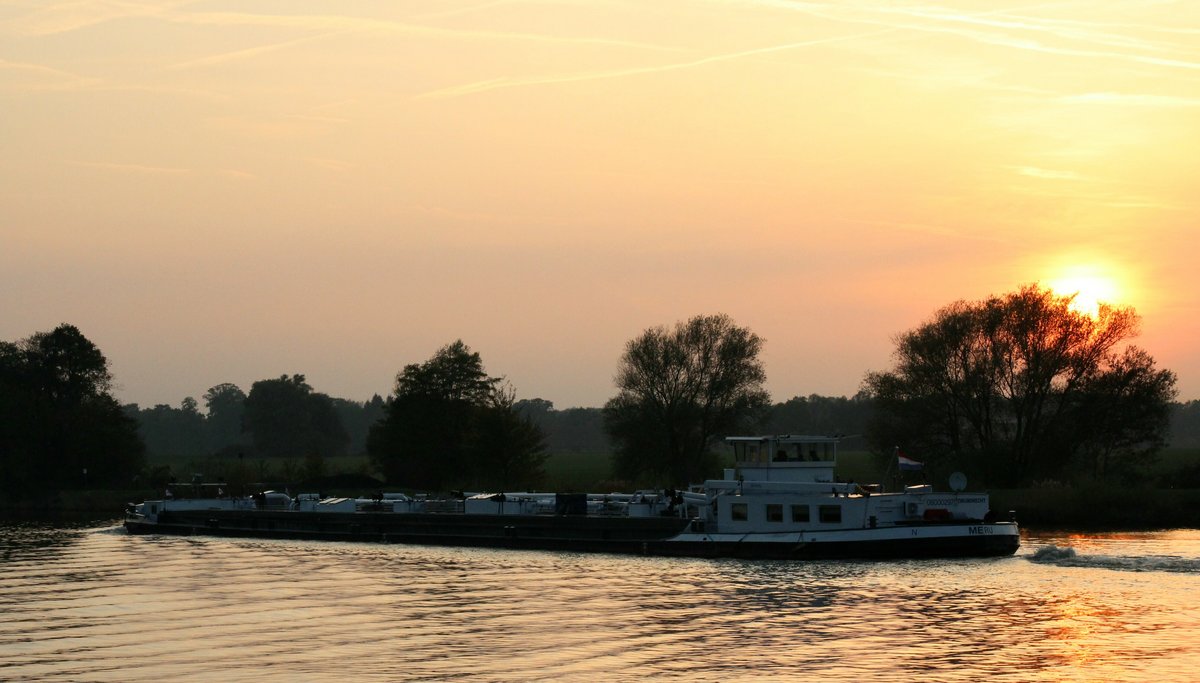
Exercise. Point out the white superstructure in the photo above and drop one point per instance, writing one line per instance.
(782, 489)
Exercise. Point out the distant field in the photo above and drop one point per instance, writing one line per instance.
(859, 466)
(257, 469)
(1175, 460)
(574, 471)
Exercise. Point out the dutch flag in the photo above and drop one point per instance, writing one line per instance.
(906, 463)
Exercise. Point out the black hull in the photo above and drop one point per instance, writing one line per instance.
(625, 535)
(883, 549)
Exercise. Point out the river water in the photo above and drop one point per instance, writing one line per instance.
(94, 604)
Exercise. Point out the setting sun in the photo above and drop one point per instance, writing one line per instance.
(1090, 286)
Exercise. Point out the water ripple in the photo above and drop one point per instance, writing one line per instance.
(98, 605)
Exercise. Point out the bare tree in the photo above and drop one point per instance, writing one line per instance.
(1013, 385)
(678, 391)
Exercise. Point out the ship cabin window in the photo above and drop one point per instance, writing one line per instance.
(830, 514)
(737, 512)
(820, 452)
(750, 451)
(800, 513)
(153, 509)
(758, 451)
(790, 452)
(774, 512)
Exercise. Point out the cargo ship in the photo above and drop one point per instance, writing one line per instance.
(779, 501)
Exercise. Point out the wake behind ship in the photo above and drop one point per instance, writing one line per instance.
(780, 501)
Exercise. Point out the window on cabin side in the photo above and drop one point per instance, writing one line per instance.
(800, 513)
(830, 514)
(774, 512)
(737, 512)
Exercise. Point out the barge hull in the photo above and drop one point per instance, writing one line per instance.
(659, 536)
(889, 549)
(575, 533)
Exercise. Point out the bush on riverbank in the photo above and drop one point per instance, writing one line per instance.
(1100, 506)
(72, 506)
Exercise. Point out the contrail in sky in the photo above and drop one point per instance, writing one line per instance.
(498, 83)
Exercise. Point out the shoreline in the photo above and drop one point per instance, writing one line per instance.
(1086, 508)
(1100, 508)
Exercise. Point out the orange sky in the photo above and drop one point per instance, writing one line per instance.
(231, 191)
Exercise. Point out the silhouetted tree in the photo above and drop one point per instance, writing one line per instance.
(575, 430)
(1125, 411)
(508, 449)
(59, 418)
(534, 408)
(421, 442)
(813, 414)
(226, 406)
(449, 424)
(286, 418)
(1022, 386)
(678, 391)
(171, 431)
(1185, 425)
(358, 418)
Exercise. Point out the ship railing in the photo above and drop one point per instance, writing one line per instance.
(444, 506)
(716, 486)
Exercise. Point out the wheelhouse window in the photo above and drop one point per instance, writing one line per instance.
(750, 451)
(737, 512)
(774, 512)
(761, 450)
(800, 513)
(830, 514)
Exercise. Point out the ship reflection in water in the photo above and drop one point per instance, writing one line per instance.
(97, 604)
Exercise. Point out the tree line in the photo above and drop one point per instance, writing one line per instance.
(280, 417)
(186, 431)
(1013, 389)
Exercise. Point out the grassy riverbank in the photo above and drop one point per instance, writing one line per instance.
(1101, 507)
(71, 506)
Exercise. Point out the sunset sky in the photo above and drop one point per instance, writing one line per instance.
(231, 191)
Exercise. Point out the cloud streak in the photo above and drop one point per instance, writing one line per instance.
(1132, 100)
(1005, 30)
(130, 168)
(1048, 174)
(65, 17)
(47, 78)
(326, 23)
(516, 82)
(236, 55)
